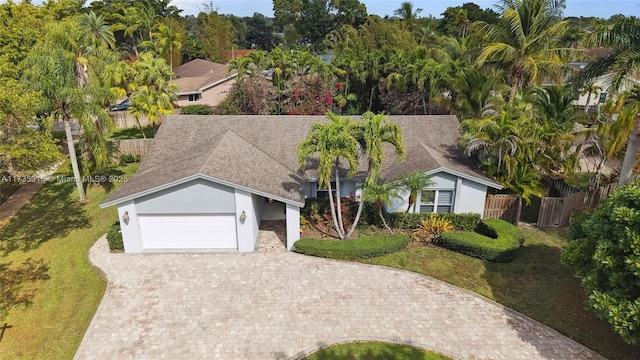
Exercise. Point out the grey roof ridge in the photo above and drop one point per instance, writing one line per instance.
(179, 155)
(295, 172)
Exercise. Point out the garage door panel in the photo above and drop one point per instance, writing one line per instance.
(188, 232)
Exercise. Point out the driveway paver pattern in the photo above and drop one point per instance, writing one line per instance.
(281, 305)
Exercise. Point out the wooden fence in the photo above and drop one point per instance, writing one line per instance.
(503, 206)
(124, 119)
(557, 211)
(132, 146)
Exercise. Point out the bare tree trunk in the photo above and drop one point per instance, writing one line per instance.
(631, 154)
(514, 88)
(74, 160)
(384, 222)
(140, 127)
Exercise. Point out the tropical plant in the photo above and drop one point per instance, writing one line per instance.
(623, 36)
(604, 251)
(381, 192)
(407, 15)
(331, 142)
(413, 183)
(375, 131)
(522, 42)
(590, 89)
(431, 228)
(60, 67)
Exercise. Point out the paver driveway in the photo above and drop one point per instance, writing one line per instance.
(279, 305)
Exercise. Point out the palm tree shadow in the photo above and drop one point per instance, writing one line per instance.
(17, 283)
(51, 213)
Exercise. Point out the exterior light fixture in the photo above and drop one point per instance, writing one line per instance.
(125, 218)
(243, 217)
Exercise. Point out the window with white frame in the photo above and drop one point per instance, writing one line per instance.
(194, 97)
(436, 201)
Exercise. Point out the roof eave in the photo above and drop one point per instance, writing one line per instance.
(195, 177)
(209, 86)
(464, 176)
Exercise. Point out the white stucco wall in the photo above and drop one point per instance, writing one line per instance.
(131, 231)
(293, 225)
(470, 198)
(246, 233)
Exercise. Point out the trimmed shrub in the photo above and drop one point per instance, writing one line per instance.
(360, 248)
(460, 222)
(431, 229)
(196, 110)
(494, 240)
(129, 158)
(114, 237)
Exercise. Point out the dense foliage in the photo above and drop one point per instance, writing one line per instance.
(494, 240)
(361, 248)
(114, 237)
(605, 251)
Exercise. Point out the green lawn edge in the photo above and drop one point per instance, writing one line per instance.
(55, 228)
(373, 350)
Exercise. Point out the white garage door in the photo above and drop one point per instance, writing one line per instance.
(188, 232)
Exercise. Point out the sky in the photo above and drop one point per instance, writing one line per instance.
(598, 8)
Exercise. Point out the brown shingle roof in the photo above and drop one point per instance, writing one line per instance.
(259, 152)
(198, 74)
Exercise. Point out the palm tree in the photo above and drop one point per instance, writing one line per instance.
(407, 15)
(372, 134)
(96, 32)
(331, 141)
(623, 36)
(521, 42)
(590, 89)
(381, 193)
(413, 183)
(60, 66)
(170, 41)
(472, 90)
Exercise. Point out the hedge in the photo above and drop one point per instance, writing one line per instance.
(114, 237)
(494, 240)
(196, 110)
(361, 248)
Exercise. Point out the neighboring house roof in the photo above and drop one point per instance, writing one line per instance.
(199, 75)
(259, 154)
(596, 52)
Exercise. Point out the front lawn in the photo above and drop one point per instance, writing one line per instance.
(535, 283)
(50, 291)
(374, 351)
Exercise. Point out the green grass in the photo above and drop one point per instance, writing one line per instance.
(374, 351)
(535, 284)
(49, 301)
(132, 133)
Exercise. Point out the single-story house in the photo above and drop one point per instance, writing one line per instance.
(202, 82)
(207, 181)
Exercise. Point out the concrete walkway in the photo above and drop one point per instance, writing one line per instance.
(281, 305)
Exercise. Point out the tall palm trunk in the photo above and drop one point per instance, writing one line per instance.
(333, 214)
(384, 222)
(338, 201)
(586, 106)
(631, 154)
(74, 158)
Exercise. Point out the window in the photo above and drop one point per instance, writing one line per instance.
(603, 97)
(194, 97)
(439, 200)
(324, 193)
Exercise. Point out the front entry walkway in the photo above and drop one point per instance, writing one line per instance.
(279, 305)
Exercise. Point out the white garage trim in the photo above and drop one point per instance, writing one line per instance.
(164, 232)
